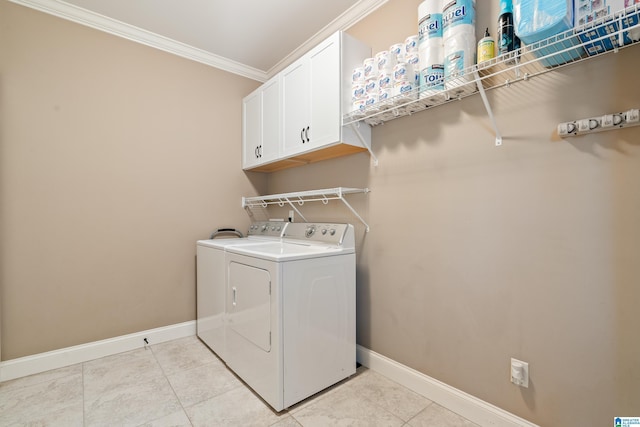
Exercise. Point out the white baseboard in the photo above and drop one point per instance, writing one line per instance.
(471, 408)
(55, 359)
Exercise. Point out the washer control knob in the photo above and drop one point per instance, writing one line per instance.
(310, 231)
(264, 228)
(332, 231)
(273, 229)
(324, 231)
(278, 228)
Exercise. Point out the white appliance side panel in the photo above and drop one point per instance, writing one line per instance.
(210, 301)
(245, 343)
(319, 324)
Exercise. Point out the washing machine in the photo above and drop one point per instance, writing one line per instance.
(211, 281)
(290, 312)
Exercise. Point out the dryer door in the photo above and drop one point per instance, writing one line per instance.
(249, 309)
(252, 332)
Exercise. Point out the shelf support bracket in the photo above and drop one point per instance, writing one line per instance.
(353, 211)
(355, 126)
(487, 106)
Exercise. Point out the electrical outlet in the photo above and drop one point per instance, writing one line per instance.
(520, 373)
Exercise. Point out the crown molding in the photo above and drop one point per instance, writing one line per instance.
(100, 22)
(343, 22)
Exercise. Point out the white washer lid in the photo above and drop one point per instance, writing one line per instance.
(287, 251)
(224, 243)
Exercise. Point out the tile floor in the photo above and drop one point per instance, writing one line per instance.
(182, 383)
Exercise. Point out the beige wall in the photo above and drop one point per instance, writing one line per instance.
(114, 159)
(478, 254)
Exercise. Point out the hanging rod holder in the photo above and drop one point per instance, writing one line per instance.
(300, 198)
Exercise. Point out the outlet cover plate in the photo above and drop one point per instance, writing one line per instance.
(522, 381)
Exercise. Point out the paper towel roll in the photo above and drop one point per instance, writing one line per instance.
(459, 55)
(431, 66)
(432, 83)
(458, 16)
(429, 20)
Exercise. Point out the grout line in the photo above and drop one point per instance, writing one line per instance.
(166, 377)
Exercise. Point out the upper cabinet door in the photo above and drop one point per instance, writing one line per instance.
(271, 120)
(251, 129)
(296, 108)
(261, 125)
(325, 95)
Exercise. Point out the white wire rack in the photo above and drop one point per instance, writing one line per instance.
(605, 35)
(298, 199)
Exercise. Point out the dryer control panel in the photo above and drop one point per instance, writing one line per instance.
(267, 228)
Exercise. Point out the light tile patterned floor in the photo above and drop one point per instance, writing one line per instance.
(182, 383)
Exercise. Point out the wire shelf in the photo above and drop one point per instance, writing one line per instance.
(298, 199)
(605, 35)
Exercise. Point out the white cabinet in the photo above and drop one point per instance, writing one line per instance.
(296, 107)
(261, 124)
(315, 92)
(311, 94)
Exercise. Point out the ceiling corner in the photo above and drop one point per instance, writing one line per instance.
(343, 22)
(94, 20)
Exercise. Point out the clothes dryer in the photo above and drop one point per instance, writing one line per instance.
(290, 312)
